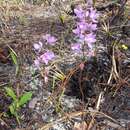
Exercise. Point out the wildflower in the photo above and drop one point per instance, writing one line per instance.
(91, 27)
(79, 12)
(124, 47)
(76, 47)
(38, 46)
(91, 53)
(47, 56)
(50, 39)
(90, 38)
(86, 27)
(82, 26)
(76, 31)
(93, 15)
(81, 36)
(86, 14)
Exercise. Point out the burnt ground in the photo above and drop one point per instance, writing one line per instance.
(106, 75)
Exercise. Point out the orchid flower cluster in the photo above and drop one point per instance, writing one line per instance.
(86, 26)
(48, 55)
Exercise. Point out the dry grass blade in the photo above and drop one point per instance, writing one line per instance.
(75, 114)
(97, 108)
(114, 65)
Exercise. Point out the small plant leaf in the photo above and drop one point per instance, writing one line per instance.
(12, 109)
(12, 51)
(62, 19)
(25, 98)
(10, 93)
(13, 56)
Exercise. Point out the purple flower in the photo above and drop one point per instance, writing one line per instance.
(86, 13)
(91, 53)
(50, 39)
(90, 38)
(38, 46)
(86, 27)
(82, 36)
(79, 12)
(47, 56)
(91, 27)
(82, 26)
(76, 31)
(93, 15)
(76, 47)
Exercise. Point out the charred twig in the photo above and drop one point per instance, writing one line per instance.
(107, 5)
(120, 11)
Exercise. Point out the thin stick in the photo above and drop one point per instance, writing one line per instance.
(97, 108)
